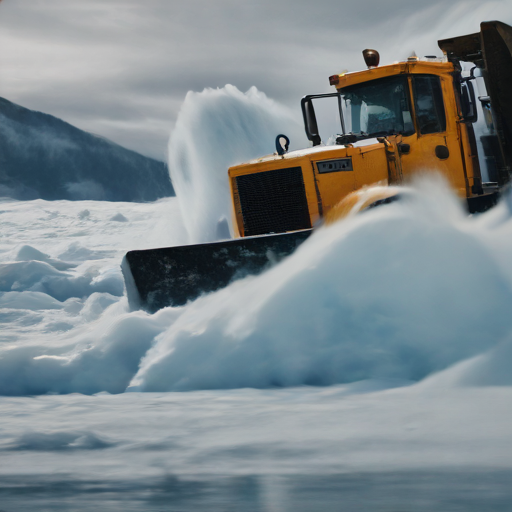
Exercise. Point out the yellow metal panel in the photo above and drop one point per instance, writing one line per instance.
(422, 157)
(271, 164)
(376, 163)
(369, 166)
(418, 67)
(323, 190)
(371, 74)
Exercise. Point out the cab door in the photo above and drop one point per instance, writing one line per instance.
(435, 147)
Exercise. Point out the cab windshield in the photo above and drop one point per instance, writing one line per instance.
(377, 108)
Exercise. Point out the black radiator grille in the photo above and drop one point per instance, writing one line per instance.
(273, 201)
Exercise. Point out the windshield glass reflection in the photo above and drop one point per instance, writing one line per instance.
(377, 108)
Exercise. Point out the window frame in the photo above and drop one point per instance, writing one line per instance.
(407, 93)
(439, 106)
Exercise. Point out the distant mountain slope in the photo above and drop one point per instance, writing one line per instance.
(44, 157)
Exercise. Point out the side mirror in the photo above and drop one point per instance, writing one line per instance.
(310, 124)
(468, 102)
(282, 144)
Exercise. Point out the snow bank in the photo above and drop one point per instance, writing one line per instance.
(392, 295)
(100, 356)
(215, 129)
(39, 276)
(28, 253)
(64, 325)
(33, 301)
(491, 368)
(398, 292)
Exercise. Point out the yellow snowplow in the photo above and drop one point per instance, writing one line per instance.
(385, 124)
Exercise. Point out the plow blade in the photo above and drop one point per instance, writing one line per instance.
(172, 276)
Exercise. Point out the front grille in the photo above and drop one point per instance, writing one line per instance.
(273, 201)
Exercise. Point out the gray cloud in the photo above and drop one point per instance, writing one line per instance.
(121, 68)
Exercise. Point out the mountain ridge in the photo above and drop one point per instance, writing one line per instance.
(42, 156)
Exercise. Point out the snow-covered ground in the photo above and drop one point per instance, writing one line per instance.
(366, 300)
(298, 449)
(369, 371)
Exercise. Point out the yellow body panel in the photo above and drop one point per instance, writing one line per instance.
(271, 164)
(323, 190)
(360, 200)
(422, 157)
(461, 167)
(400, 68)
(380, 162)
(369, 164)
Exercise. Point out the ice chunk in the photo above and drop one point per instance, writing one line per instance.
(28, 300)
(29, 253)
(119, 217)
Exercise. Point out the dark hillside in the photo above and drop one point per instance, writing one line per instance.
(44, 157)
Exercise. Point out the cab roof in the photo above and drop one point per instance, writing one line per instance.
(398, 68)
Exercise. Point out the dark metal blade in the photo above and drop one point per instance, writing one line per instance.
(156, 278)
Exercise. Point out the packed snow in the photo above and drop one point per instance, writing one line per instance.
(371, 367)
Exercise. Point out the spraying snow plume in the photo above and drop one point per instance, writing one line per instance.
(215, 129)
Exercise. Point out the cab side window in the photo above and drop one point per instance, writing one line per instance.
(429, 105)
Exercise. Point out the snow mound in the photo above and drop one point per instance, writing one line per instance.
(33, 301)
(400, 292)
(29, 253)
(119, 217)
(39, 276)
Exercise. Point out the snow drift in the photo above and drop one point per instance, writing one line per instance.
(396, 294)
(399, 293)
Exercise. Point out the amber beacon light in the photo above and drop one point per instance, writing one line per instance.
(371, 57)
(334, 80)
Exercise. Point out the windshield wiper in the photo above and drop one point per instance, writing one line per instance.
(346, 138)
(351, 137)
(382, 133)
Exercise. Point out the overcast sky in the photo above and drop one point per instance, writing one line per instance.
(121, 68)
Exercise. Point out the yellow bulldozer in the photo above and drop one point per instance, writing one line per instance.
(385, 124)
